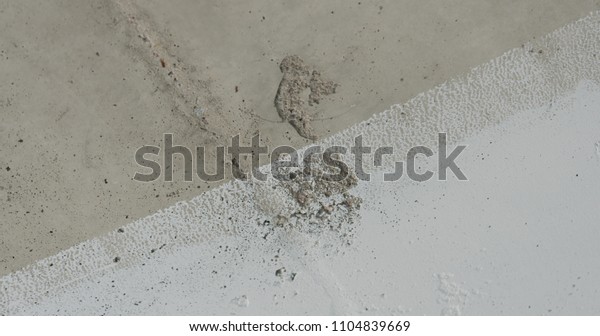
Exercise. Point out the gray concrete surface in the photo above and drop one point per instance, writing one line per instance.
(83, 86)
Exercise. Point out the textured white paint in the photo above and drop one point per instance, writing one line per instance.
(518, 238)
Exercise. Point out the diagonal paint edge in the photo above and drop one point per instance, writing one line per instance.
(521, 79)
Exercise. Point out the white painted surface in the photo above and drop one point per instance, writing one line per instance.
(520, 237)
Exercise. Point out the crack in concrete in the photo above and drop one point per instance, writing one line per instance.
(191, 97)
